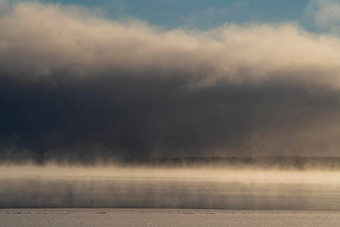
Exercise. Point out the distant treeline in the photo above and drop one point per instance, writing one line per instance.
(267, 162)
(301, 163)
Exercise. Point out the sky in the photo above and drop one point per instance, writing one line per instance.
(199, 13)
(87, 80)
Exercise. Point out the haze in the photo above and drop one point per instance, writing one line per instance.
(90, 102)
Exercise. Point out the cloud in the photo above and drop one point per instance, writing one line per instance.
(57, 38)
(77, 86)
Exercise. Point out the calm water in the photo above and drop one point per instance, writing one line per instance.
(165, 217)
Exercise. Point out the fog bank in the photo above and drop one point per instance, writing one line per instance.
(78, 87)
(55, 186)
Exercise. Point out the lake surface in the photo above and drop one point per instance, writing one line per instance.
(166, 217)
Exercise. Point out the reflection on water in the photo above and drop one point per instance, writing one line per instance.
(168, 188)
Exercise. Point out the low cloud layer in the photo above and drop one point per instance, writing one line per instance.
(78, 87)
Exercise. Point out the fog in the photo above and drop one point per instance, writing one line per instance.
(91, 108)
(205, 187)
(77, 87)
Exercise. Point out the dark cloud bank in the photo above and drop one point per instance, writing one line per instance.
(75, 87)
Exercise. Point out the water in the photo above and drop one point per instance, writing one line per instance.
(165, 217)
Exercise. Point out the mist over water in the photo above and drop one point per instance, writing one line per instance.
(84, 90)
(205, 187)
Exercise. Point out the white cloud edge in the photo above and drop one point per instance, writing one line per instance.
(51, 37)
